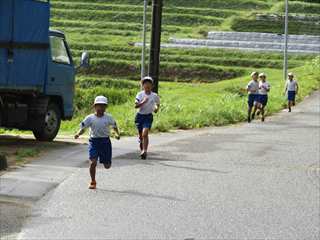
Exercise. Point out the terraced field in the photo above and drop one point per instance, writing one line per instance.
(108, 29)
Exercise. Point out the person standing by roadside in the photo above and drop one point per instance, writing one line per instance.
(147, 102)
(291, 89)
(264, 88)
(253, 94)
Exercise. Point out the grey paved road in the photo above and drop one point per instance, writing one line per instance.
(250, 181)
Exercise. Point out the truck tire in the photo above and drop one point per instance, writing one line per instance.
(50, 124)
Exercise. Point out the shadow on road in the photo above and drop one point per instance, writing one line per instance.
(139, 194)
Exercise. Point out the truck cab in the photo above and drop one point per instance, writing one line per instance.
(37, 73)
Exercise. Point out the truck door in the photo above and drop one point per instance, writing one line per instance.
(61, 74)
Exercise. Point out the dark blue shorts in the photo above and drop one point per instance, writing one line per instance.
(263, 99)
(143, 121)
(291, 96)
(100, 149)
(252, 98)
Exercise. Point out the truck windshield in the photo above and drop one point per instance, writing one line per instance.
(59, 52)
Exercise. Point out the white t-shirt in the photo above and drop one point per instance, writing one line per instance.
(253, 87)
(291, 85)
(263, 88)
(149, 106)
(99, 126)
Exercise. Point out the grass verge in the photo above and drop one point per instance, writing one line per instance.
(196, 105)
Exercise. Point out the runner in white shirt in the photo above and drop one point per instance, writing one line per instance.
(264, 88)
(291, 89)
(147, 102)
(253, 93)
(100, 147)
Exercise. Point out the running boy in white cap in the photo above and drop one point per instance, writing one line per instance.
(264, 88)
(253, 93)
(147, 102)
(99, 143)
(291, 89)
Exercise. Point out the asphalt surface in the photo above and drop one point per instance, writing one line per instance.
(249, 181)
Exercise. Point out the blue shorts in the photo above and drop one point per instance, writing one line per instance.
(263, 99)
(143, 121)
(291, 96)
(100, 149)
(252, 98)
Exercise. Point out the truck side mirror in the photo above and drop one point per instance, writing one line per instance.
(85, 60)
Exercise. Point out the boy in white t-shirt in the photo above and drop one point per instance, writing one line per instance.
(264, 88)
(147, 102)
(291, 89)
(99, 143)
(253, 93)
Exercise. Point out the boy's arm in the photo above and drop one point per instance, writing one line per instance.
(157, 108)
(83, 125)
(139, 103)
(297, 87)
(116, 129)
(80, 132)
(285, 88)
(157, 105)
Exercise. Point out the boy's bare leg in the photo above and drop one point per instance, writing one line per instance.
(249, 113)
(145, 136)
(262, 113)
(93, 165)
(289, 105)
(254, 111)
(107, 165)
(141, 141)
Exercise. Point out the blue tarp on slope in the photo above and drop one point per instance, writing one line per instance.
(28, 31)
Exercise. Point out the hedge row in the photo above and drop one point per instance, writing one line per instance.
(127, 16)
(230, 4)
(99, 50)
(243, 24)
(139, 8)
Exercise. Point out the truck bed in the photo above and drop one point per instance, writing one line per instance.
(24, 44)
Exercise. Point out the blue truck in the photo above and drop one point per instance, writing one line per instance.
(37, 73)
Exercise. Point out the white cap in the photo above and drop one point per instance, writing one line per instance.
(101, 100)
(290, 74)
(262, 75)
(254, 73)
(147, 79)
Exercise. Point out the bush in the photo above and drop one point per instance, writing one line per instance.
(84, 97)
(242, 25)
(298, 7)
(230, 4)
(127, 16)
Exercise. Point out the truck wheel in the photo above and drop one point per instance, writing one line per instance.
(50, 127)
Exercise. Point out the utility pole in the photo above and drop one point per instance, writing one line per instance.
(285, 53)
(144, 36)
(154, 61)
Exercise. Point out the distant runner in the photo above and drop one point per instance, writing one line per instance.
(147, 102)
(291, 89)
(264, 88)
(253, 93)
(99, 143)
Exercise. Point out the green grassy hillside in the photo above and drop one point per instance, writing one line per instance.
(107, 29)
